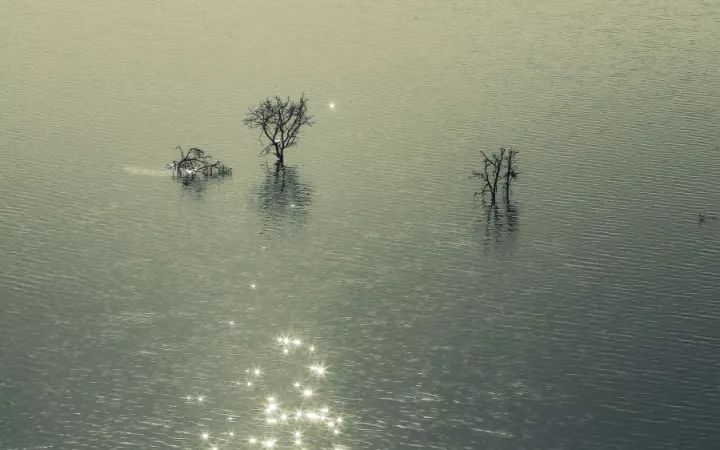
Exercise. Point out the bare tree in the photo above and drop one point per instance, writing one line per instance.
(280, 121)
(511, 172)
(492, 173)
(196, 162)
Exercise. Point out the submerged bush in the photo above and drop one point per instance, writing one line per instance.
(196, 162)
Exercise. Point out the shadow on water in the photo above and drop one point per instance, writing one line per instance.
(501, 222)
(195, 188)
(282, 197)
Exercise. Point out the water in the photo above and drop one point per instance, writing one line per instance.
(584, 317)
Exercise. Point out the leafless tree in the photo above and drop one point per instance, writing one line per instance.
(280, 121)
(196, 162)
(492, 173)
(511, 172)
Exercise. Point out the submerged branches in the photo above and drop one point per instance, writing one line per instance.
(195, 162)
(499, 167)
(498, 172)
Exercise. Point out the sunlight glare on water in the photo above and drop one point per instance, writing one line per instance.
(581, 313)
(290, 420)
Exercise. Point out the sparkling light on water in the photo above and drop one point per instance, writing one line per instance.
(292, 411)
(318, 370)
(307, 393)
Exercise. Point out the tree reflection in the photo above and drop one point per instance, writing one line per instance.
(196, 188)
(501, 221)
(282, 196)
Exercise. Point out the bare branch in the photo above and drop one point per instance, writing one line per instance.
(492, 172)
(281, 121)
(195, 162)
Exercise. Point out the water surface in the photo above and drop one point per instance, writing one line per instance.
(582, 317)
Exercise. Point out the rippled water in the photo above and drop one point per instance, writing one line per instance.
(584, 317)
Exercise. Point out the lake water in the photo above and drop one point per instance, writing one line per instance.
(585, 316)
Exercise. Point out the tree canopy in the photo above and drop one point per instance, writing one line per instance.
(280, 122)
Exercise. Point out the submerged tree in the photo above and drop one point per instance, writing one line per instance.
(280, 121)
(492, 173)
(196, 162)
(511, 172)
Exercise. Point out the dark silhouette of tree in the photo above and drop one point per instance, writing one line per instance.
(511, 172)
(196, 162)
(492, 173)
(280, 122)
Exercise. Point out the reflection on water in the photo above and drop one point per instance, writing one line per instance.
(501, 222)
(282, 196)
(603, 303)
(195, 188)
(288, 395)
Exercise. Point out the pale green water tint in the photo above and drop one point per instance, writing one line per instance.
(584, 319)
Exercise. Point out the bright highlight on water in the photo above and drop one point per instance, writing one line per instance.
(291, 413)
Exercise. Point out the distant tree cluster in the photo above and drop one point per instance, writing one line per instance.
(195, 162)
(499, 169)
(281, 120)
